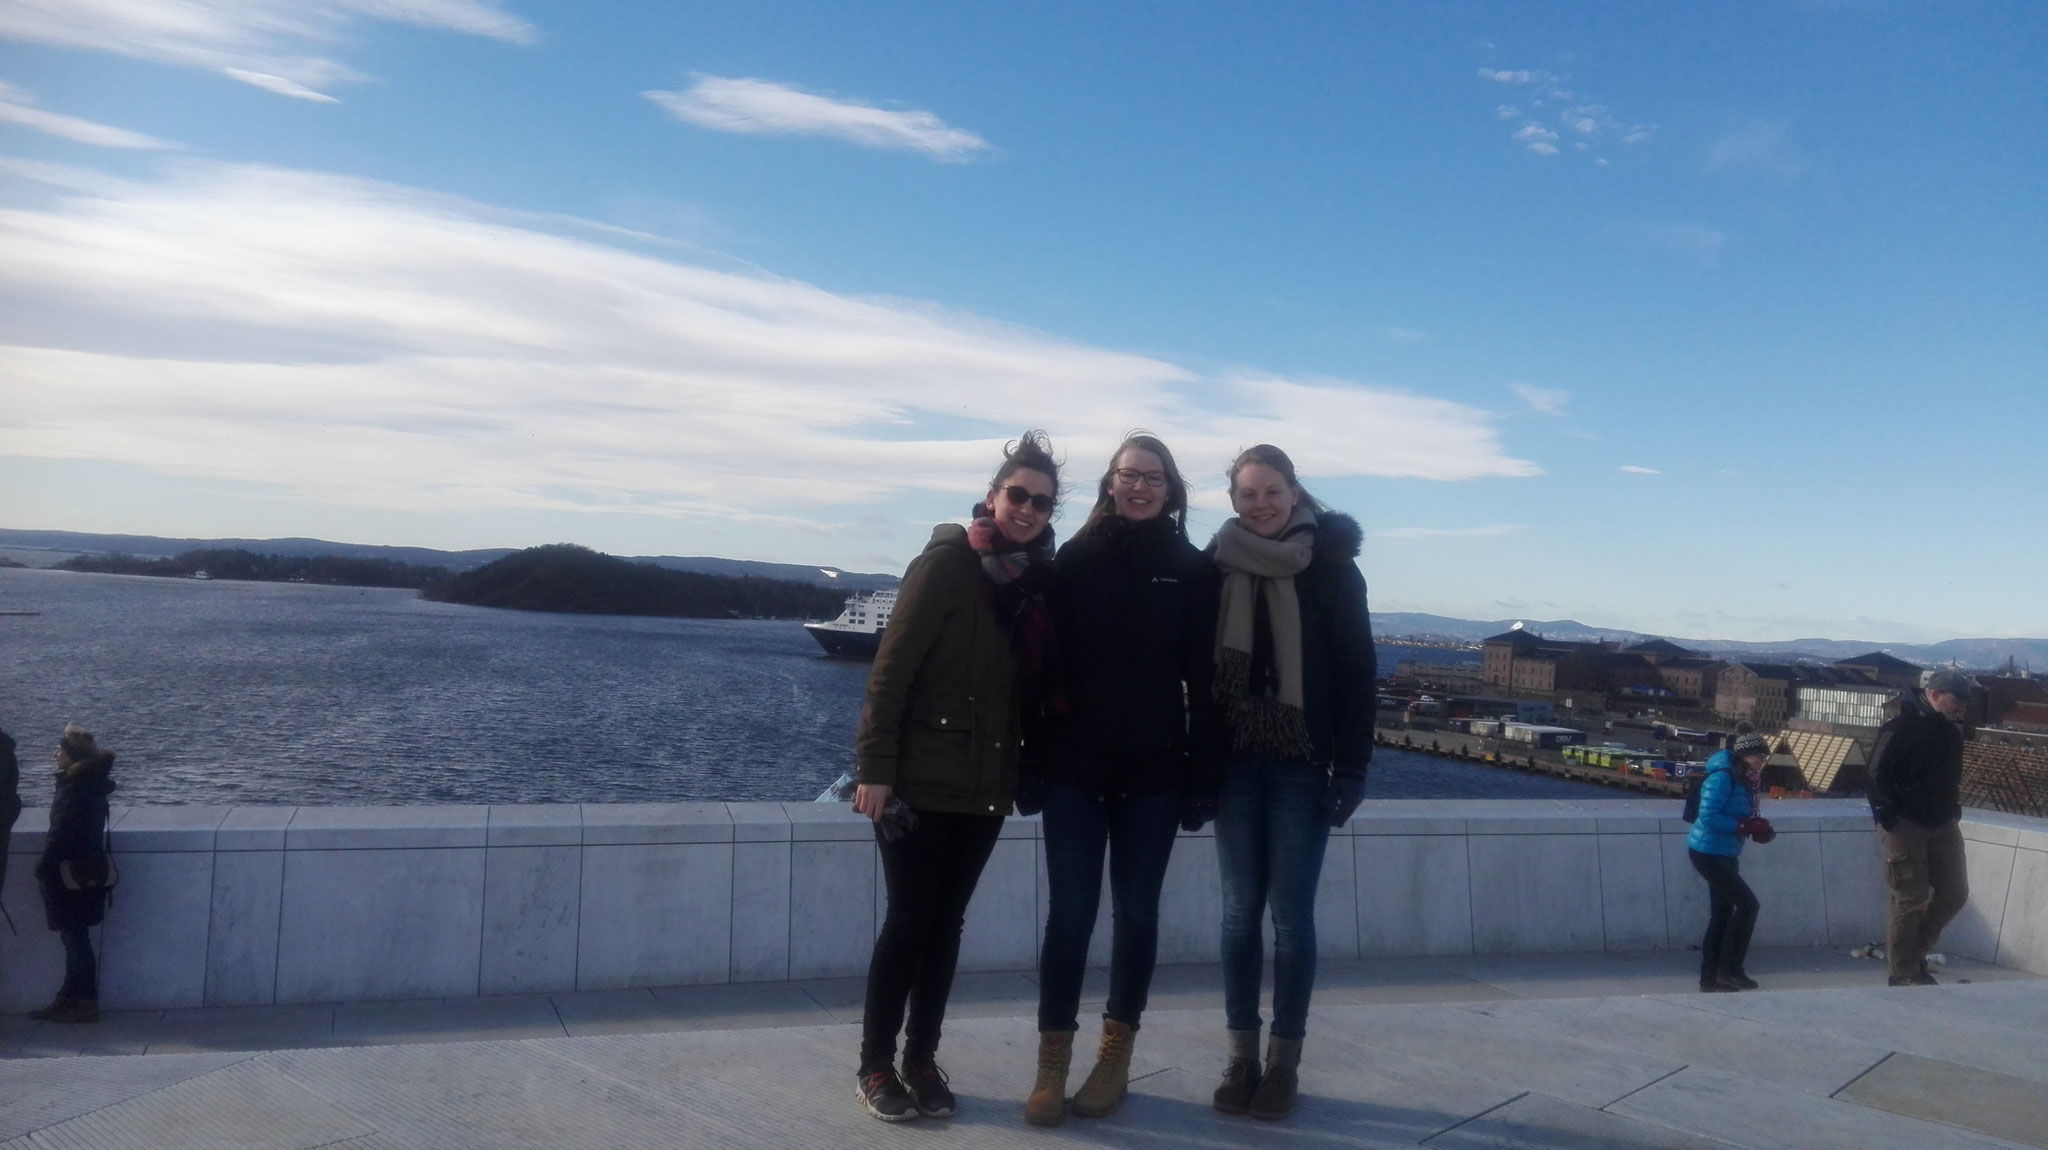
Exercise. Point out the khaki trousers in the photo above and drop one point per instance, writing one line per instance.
(1930, 883)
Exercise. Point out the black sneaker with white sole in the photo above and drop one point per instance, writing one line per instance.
(882, 1095)
(928, 1090)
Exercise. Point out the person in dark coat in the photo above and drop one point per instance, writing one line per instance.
(1916, 779)
(1294, 674)
(1132, 760)
(968, 657)
(10, 801)
(73, 871)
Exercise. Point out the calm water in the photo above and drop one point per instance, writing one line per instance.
(219, 692)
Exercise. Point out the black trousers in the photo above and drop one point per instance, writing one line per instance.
(1733, 918)
(930, 873)
(81, 970)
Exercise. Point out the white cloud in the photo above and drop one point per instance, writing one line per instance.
(17, 108)
(764, 108)
(1546, 400)
(1404, 334)
(1488, 531)
(278, 45)
(1540, 124)
(1763, 147)
(1632, 469)
(362, 344)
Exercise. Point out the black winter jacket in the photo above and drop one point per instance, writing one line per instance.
(78, 831)
(1916, 772)
(1135, 608)
(1339, 663)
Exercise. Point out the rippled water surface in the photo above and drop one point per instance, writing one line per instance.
(219, 692)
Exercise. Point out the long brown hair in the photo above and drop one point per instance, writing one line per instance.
(1176, 487)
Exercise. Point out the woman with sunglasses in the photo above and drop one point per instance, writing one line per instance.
(1294, 674)
(968, 653)
(1134, 605)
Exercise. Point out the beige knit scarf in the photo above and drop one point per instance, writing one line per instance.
(1257, 569)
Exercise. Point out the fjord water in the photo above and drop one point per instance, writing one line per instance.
(218, 692)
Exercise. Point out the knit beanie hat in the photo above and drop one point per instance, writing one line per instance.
(1750, 744)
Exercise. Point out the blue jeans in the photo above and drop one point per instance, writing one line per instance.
(1139, 835)
(1271, 831)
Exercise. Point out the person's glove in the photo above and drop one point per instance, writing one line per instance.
(1346, 792)
(1196, 812)
(1030, 795)
(1756, 828)
(897, 820)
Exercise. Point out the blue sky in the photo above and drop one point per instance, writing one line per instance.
(1720, 323)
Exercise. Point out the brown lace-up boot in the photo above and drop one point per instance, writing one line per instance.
(1240, 1074)
(1047, 1105)
(1274, 1098)
(1111, 1079)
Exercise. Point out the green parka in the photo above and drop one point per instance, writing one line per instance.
(940, 723)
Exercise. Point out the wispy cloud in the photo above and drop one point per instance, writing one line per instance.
(278, 45)
(1693, 241)
(1762, 147)
(1632, 469)
(1546, 400)
(1489, 530)
(16, 107)
(1404, 334)
(1551, 119)
(760, 107)
(364, 344)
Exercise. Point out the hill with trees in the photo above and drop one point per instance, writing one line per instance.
(235, 563)
(568, 578)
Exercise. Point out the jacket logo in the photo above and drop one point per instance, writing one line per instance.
(1164, 579)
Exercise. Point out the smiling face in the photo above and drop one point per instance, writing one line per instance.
(1263, 499)
(1137, 483)
(1018, 519)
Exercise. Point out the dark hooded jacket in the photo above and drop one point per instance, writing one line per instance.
(78, 833)
(1339, 663)
(1134, 604)
(941, 722)
(1916, 770)
(10, 798)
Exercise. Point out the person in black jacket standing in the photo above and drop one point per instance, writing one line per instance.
(1294, 673)
(74, 869)
(1126, 765)
(1916, 777)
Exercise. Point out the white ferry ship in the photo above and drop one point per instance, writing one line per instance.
(858, 630)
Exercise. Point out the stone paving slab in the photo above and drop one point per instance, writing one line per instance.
(1458, 1075)
(1981, 1100)
(1933, 1022)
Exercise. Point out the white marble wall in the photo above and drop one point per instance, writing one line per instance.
(245, 905)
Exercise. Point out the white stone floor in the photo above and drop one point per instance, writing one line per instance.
(1552, 1051)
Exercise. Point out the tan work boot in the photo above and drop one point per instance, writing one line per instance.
(1047, 1105)
(1111, 1079)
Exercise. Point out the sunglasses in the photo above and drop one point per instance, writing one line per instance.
(1016, 494)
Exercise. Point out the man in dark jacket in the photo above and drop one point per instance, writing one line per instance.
(1916, 780)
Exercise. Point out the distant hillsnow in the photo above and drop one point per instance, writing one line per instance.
(47, 548)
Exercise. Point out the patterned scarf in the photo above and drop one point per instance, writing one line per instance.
(1258, 636)
(1016, 579)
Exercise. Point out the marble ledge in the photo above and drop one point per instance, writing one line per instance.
(386, 828)
(647, 824)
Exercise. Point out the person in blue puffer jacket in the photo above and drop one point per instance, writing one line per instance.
(1727, 815)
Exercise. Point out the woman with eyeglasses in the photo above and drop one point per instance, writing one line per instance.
(968, 657)
(1134, 605)
(1294, 675)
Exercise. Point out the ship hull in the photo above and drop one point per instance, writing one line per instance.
(843, 643)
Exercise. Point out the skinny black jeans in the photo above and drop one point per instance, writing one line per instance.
(1732, 919)
(81, 969)
(930, 874)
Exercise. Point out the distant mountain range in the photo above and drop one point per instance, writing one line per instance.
(1974, 653)
(47, 548)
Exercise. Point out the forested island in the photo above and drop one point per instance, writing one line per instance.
(568, 578)
(248, 566)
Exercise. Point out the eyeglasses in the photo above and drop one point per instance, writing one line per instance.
(1017, 494)
(1131, 478)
